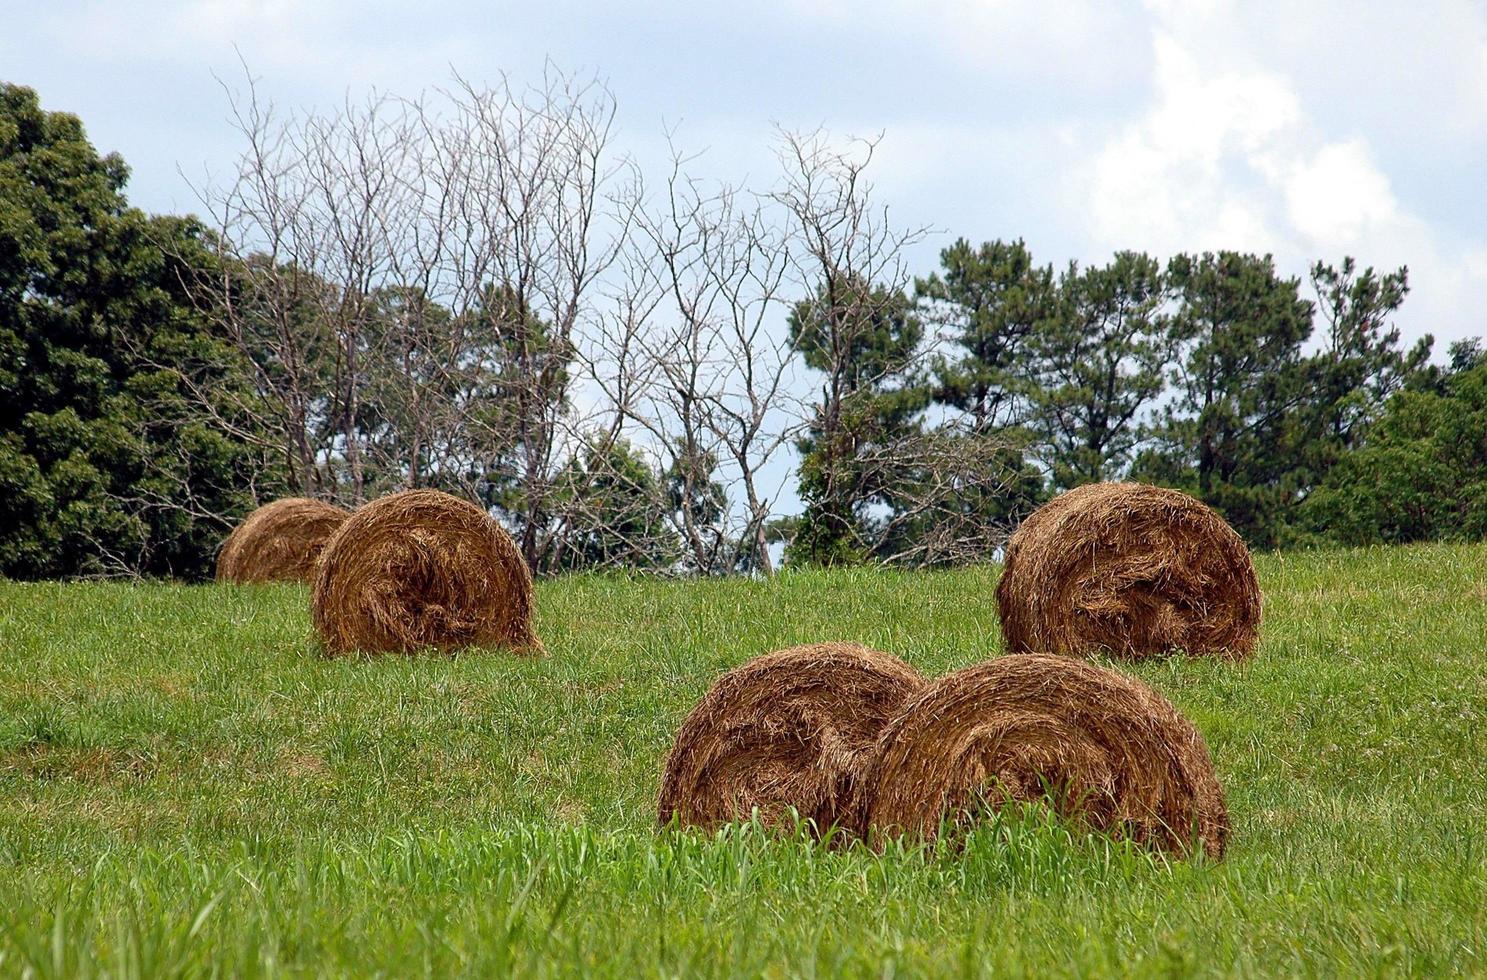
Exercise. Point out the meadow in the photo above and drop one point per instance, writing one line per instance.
(187, 787)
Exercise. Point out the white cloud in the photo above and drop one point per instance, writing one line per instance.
(1227, 155)
(1183, 176)
(1309, 130)
(1400, 71)
(1339, 196)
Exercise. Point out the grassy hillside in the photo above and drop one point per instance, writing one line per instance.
(186, 786)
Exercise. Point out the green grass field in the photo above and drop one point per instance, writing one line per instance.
(186, 787)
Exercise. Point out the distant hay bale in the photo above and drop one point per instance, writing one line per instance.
(1131, 569)
(422, 569)
(788, 729)
(279, 541)
(1105, 750)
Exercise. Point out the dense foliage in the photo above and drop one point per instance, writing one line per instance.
(1422, 473)
(106, 466)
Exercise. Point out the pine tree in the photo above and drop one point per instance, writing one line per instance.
(1234, 433)
(1098, 365)
(1361, 363)
(863, 338)
(992, 301)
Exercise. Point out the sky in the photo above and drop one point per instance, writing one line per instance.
(1310, 130)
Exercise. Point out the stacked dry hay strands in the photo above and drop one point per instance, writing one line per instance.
(1130, 569)
(422, 569)
(788, 729)
(1106, 751)
(280, 541)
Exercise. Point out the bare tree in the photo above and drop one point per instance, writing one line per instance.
(710, 387)
(472, 290)
(528, 194)
(755, 413)
(265, 298)
(309, 231)
(955, 492)
(407, 278)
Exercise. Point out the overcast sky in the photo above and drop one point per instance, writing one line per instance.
(1309, 130)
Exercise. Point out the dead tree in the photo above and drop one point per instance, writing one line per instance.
(309, 231)
(710, 369)
(527, 196)
(407, 278)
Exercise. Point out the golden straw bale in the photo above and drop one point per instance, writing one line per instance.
(1130, 569)
(422, 569)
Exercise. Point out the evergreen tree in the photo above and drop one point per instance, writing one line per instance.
(614, 504)
(105, 465)
(863, 338)
(417, 375)
(993, 300)
(1233, 433)
(518, 397)
(1098, 365)
(700, 508)
(1362, 363)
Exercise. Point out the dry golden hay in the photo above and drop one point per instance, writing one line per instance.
(422, 569)
(279, 541)
(1132, 569)
(1105, 750)
(788, 729)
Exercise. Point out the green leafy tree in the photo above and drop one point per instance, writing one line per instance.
(1461, 355)
(699, 504)
(993, 301)
(614, 509)
(1098, 365)
(106, 465)
(1362, 362)
(863, 338)
(419, 375)
(1233, 433)
(973, 479)
(1422, 473)
(518, 397)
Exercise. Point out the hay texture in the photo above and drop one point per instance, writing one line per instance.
(1104, 750)
(1130, 569)
(279, 542)
(788, 729)
(422, 569)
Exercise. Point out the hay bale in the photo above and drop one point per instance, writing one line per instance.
(1131, 569)
(279, 542)
(788, 729)
(422, 569)
(1105, 750)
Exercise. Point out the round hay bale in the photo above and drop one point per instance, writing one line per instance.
(1104, 750)
(1130, 569)
(788, 729)
(422, 569)
(279, 542)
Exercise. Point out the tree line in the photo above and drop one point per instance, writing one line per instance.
(477, 291)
